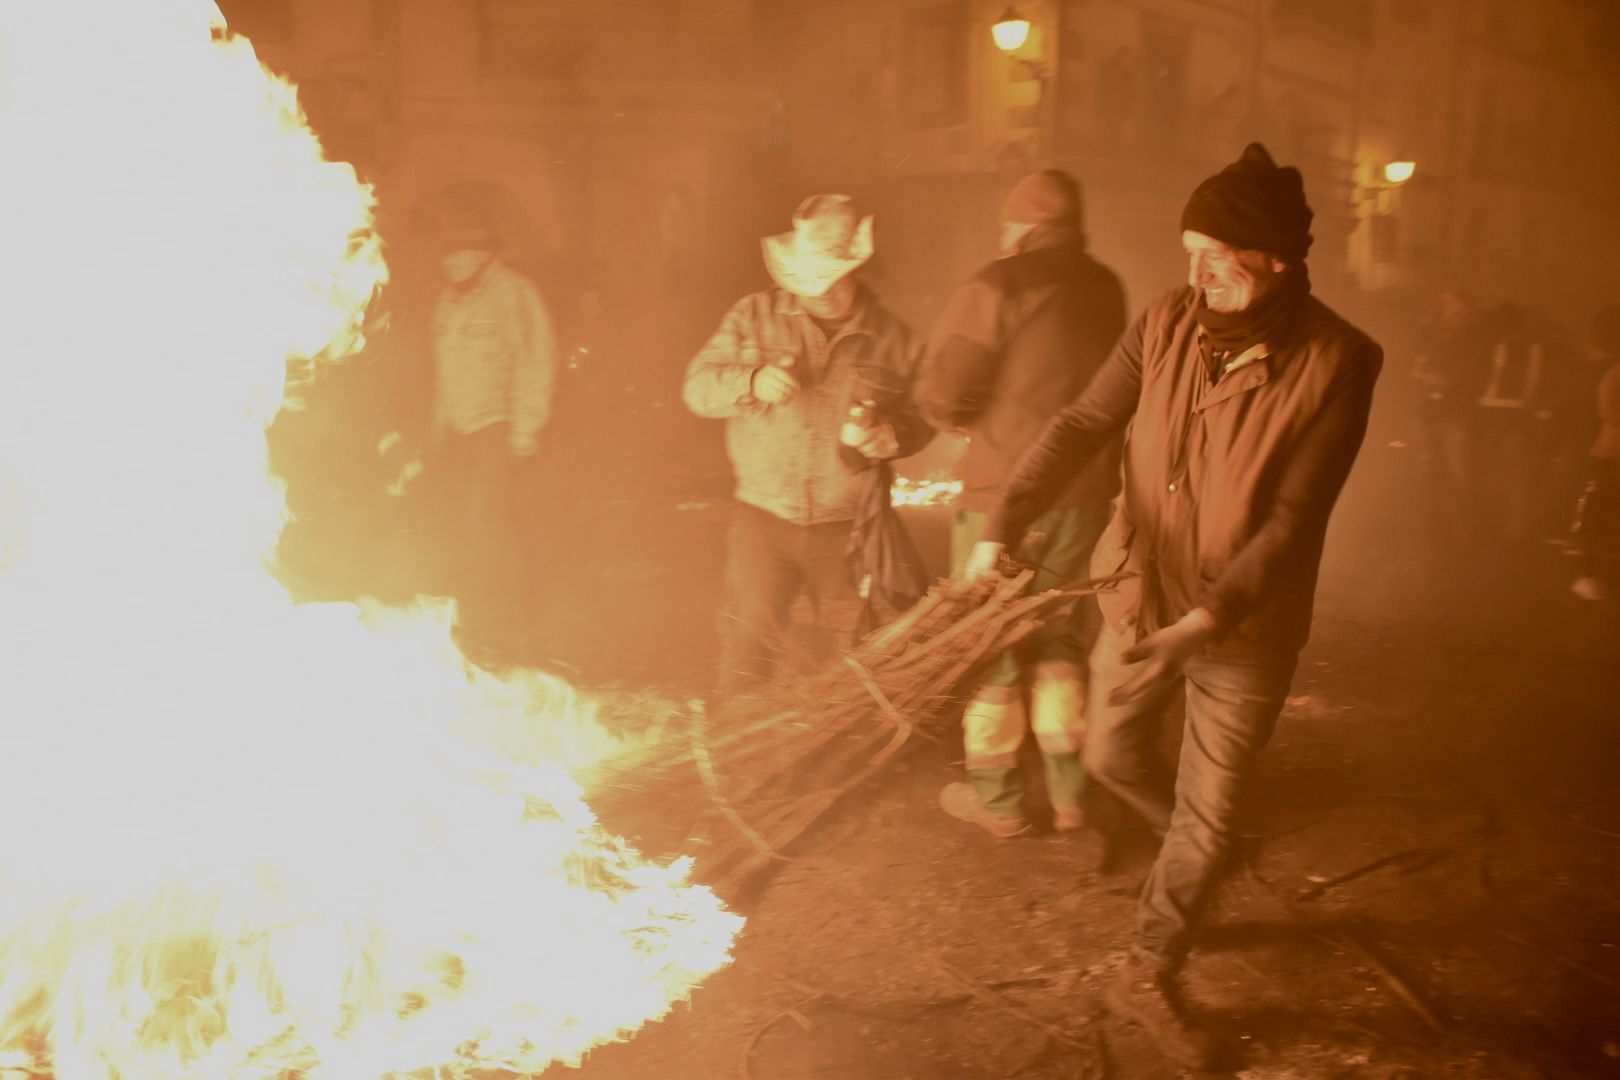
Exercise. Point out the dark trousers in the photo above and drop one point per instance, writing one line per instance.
(1510, 469)
(484, 558)
(1445, 441)
(1232, 707)
(769, 564)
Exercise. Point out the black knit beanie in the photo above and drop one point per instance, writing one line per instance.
(1253, 205)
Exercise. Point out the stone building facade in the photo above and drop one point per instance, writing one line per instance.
(1514, 193)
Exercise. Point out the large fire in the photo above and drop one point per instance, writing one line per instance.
(244, 836)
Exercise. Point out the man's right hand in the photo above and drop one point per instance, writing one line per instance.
(983, 561)
(1161, 655)
(773, 385)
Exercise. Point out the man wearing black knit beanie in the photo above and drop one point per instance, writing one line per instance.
(1246, 400)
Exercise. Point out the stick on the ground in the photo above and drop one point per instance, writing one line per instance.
(1401, 988)
(1397, 985)
(1002, 1003)
(1558, 954)
(745, 1066)
(1411, 857)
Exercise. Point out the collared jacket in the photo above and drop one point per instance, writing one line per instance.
(1228, 482)
(1017, 342)
(787, 458)
(494, 354)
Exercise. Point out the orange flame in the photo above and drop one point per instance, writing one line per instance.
(909, 492)
(244, 836)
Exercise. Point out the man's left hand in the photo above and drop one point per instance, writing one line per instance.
(879, 442)
(523, 445)
(1161, 655)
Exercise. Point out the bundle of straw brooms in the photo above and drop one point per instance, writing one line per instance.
(744, 786)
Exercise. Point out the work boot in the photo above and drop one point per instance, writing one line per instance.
(960, 801)
(1150, 998)
(1068, 818)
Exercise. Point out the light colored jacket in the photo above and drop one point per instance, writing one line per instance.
(787, 458)
(494, 354)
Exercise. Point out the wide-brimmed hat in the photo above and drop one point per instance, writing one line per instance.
(828, 242)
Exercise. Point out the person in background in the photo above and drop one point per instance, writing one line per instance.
(1018, 341)
(785, 370)
(494, 356)
(1567, 433)
(1441, 371)
(1246, 401)
(1517, 370)
(1598, 518)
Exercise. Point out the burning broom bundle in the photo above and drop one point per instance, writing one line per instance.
(778, 763)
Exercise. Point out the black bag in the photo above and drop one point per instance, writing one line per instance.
(883, 562)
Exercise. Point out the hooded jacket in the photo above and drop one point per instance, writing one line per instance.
(1017, 342)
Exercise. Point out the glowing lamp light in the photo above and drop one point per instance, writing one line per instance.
(1399, 172)
(1010, 31)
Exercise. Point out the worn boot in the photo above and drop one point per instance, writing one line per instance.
(1151, 998)
(1065, 784)
(1068, 818)
(962, 802)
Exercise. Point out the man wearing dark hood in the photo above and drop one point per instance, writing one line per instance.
(1244, 401)
(1018, 341)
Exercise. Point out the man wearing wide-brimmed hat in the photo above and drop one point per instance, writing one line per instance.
(1244, 401)
(783, 370)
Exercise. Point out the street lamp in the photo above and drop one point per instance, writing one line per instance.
(1383, 201)
(1387, 179)
(1399, 172)
(1010, 31)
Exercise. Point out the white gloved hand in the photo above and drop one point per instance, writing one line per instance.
(876, 441)
(408, 475)
(983, 561)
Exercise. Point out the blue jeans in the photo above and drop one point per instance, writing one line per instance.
(1232, 707)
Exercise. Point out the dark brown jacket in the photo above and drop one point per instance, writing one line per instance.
(1015, 344)
(1228, 484)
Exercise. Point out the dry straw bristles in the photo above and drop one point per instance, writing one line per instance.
(747, 783)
